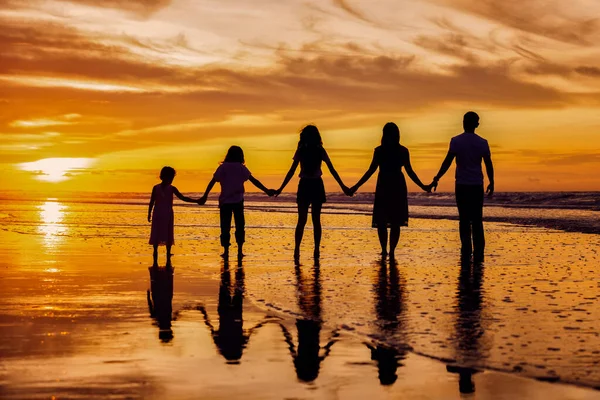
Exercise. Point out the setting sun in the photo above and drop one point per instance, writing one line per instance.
(137, 85)
(56, 169)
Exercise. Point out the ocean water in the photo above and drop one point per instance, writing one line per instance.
(568, 211)
(74, 261)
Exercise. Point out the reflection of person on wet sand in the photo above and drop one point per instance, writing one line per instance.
(389, 306)
(307, 357)
(160, 300)
(469, 330)
(230, 337)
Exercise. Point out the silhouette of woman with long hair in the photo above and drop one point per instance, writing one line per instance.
(389, 307)
(307, 357)
(468, 326)
(390, 209)
(160, 301)
(310, 154)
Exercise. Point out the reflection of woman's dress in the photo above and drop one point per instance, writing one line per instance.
(162, 216)
(391, 196)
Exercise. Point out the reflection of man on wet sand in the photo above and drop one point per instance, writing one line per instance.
(160, 300)
(469, 330)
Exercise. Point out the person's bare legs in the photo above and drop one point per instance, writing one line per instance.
(155, 256)
(383, 236)
(302, 218)
(394, 239)
(168, 256)
(318, 231)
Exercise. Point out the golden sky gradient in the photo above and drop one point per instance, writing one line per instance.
(112, 90)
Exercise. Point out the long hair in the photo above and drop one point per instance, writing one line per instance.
(391, 136)
(310, 148)
(235, 154)
(310, 137)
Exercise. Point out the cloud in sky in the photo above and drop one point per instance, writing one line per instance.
(144, 74)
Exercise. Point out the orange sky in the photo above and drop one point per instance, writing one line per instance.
(112, 93)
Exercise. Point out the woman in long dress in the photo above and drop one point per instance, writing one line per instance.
(390, 209)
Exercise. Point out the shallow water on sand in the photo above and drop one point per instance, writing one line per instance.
(75, 320)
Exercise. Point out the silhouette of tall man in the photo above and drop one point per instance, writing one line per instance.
(470, 149)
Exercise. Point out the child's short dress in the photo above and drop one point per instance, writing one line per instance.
(391, 195)
(311, 189)
(161, 233)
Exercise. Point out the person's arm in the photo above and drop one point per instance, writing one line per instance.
(444, 168)
(150, 206)
(289, 176)
(335, 175)
(182, 197)
(256, 182)
(411, 173)
(372, 168)
(489, 168)
(204, 197)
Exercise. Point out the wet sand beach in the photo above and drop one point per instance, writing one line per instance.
(83, 316)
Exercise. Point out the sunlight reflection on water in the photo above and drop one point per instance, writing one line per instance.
(52, 214)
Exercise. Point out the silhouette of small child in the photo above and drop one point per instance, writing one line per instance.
(160, 213)
(231, 174)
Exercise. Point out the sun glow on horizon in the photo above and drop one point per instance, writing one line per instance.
(135, 85)
(56, 169)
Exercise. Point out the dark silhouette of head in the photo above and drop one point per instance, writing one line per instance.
(391, 135)
(308, 361)
(235, 154)
(387, 364)
(470, 121)
(465, 383)
(310, 137)
(167, 174)
(310, 148)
